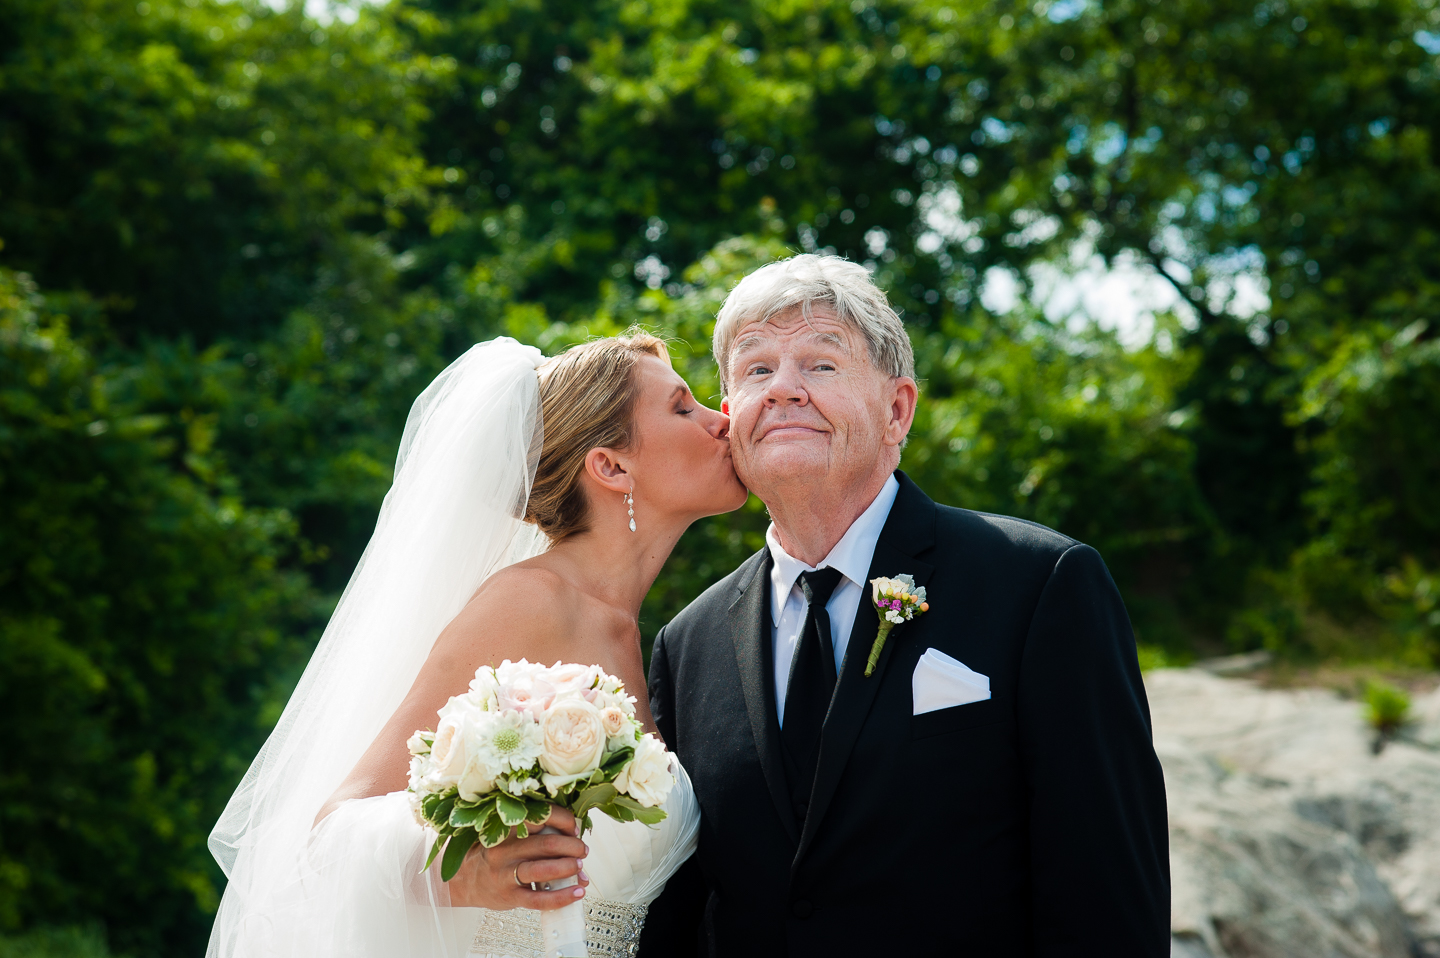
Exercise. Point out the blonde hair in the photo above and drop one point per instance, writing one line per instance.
(801, 282)
(587, 400)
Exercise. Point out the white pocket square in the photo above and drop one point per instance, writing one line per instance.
(941, 682)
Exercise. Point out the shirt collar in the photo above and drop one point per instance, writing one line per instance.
(851, 555)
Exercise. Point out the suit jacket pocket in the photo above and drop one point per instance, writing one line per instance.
(955, 718)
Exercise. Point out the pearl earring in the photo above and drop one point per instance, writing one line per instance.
(630, 504)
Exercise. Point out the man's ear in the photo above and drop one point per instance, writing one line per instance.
(904, 397)
(608, 472)
(725, 405)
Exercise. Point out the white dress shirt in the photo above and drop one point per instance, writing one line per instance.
(851, 557)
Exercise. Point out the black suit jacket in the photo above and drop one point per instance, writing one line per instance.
(1030, 824)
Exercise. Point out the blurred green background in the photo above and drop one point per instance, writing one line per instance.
(238, 241)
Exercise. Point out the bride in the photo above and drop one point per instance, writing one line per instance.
(533, 505)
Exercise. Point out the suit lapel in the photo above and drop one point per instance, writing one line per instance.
(909, 531)
(750, 631)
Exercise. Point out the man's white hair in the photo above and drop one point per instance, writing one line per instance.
(801, 282)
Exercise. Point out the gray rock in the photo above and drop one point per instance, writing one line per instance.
(1288, 836)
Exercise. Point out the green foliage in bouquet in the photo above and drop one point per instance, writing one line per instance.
(459, 824)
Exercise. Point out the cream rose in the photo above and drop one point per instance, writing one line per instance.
(477, 779)
(574, 739)
(614, 721)
(647, 778)
(448, 751)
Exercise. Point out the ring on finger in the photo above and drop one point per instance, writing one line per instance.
(517, 876)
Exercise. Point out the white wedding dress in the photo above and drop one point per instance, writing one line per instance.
(353, 885)
(359, 890)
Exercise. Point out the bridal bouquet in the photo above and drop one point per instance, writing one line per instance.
(524, 738)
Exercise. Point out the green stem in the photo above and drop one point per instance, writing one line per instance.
(885, 627)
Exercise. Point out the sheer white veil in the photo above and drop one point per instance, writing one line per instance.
(451, 519)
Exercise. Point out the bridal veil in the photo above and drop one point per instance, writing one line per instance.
(452, 518)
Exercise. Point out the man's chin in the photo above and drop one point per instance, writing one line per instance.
(784, 464)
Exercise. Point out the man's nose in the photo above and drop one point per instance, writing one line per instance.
(786, 386)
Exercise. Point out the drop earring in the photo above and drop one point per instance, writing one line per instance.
(630, 505)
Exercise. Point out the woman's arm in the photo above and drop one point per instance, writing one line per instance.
(496, 878)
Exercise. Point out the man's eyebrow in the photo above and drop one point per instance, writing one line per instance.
(830, 339)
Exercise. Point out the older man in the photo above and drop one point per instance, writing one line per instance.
(990, 787)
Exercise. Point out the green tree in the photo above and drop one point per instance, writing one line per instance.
(148, 631)
(193, 165)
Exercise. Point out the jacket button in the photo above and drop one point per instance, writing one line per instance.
(801, 909)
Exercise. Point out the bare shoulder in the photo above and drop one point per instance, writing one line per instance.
(524, 611)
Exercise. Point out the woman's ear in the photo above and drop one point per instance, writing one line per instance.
(608, 472)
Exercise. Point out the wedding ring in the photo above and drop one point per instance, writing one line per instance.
(517, 878)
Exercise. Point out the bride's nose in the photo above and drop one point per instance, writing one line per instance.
(717, 424)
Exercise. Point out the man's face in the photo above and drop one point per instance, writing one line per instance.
(807, 406)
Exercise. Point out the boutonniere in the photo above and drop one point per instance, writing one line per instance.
(896, 600)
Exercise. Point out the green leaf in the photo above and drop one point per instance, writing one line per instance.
(434, 850)
(650, 815)
(512, 810)
(460, 843)
(593, 796)
(537, 810)
(439, 814)
(493, 831)
(617, 761)
(469, 815)
(618, 812)
(623, 808)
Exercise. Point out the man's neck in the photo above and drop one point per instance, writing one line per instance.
(810, 518)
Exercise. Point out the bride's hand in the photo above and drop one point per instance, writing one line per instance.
(499, 878)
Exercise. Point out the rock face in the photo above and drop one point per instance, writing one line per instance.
(1289, 837)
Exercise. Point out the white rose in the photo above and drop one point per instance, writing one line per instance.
(571, 677)
(449, 752)
(510, 672)
(417, 744)
(477, 779)
(574, 740)
(880, 588)
(647, 778)
(484, 686)
(524, 688)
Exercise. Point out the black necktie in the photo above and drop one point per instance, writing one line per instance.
(812, 683)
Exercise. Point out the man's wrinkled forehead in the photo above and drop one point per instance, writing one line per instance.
(817, 329)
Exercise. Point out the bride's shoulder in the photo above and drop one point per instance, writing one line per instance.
(528, 579)
(519, 612)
